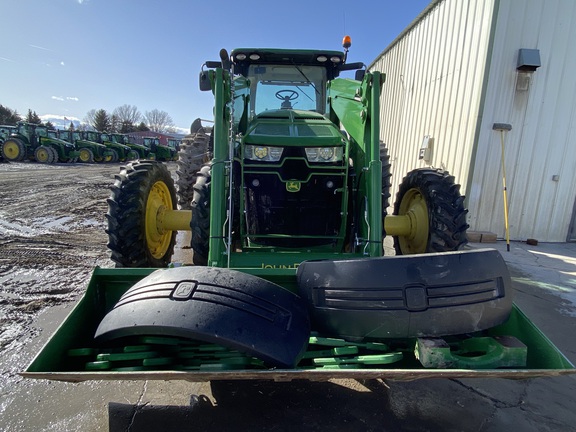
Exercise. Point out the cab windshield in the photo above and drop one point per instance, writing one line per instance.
(276, 87)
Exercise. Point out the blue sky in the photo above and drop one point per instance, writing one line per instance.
(65, 57)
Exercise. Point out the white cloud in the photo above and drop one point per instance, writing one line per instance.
(82, 1)
(72, 98)
(58, 98)
(181, 130)
(62, 63)
(7, 59)
(40, 47)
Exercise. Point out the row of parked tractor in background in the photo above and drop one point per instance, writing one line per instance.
(29, 141)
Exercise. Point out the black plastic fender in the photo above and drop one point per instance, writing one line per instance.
(407, 296)
(214, 305)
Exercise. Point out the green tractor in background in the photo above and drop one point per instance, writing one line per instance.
(32, 141)
(5, 132)
(120, 151)
(288, 217)
(161, 152)
(174, 143)
(141, 151)
(89, 151)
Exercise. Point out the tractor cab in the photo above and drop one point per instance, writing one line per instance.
(152, 143)
(287, 79)
(25, 129)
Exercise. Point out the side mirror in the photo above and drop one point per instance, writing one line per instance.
(359, 75)
(205, 84)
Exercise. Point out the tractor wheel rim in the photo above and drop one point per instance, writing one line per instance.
(11, 149)
(42, 155)
(84, 156)
(414, 206)
(157, 239)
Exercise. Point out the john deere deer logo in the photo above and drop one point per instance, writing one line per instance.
(293, 186)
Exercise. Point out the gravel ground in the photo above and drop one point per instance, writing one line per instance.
(51, 237)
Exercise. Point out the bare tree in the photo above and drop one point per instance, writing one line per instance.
(90, 118)
(128, 114)
(158, 121)
(115, 123)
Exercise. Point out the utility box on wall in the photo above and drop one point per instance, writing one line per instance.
(528, 60)
(425, 153)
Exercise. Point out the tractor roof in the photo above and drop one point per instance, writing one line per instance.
(288, 56)
(244, 57)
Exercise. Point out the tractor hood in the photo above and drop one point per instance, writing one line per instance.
(293, 127)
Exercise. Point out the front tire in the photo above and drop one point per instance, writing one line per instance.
(86, 156)
(44, 155)
(433, 202)
(54, 154)
(140, 193)
(114, 157)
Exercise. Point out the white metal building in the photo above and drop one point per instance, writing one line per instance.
(461, 67)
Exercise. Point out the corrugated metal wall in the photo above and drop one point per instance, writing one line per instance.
(452, 75)
(434, 76)
(542, 143)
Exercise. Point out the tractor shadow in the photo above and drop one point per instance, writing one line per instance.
(267, 406)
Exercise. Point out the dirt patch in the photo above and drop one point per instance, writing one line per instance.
(52, 235)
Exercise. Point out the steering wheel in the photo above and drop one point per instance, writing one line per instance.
(287, 95)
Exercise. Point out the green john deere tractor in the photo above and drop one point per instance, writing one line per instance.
(143, 152)
(287, 223)
(174, 143)
(89, 151)
(161, 152)
(5, 132)
(120, 151)
(32, 141)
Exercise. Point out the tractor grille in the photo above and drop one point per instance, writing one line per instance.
(313, 210)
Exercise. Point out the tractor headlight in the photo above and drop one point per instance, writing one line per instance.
(324, 154)
(263, 153)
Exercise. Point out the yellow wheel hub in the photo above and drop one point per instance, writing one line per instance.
(84, 155)
(11, 150)
(414, 208)
(159, 201)
(42, 155)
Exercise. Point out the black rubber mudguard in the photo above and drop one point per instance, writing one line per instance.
(407, 296)
(214, 305)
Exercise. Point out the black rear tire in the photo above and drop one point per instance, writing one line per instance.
(137, 189)
(434, 192)
(200, 223)
(193, 154)
(13, 150)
